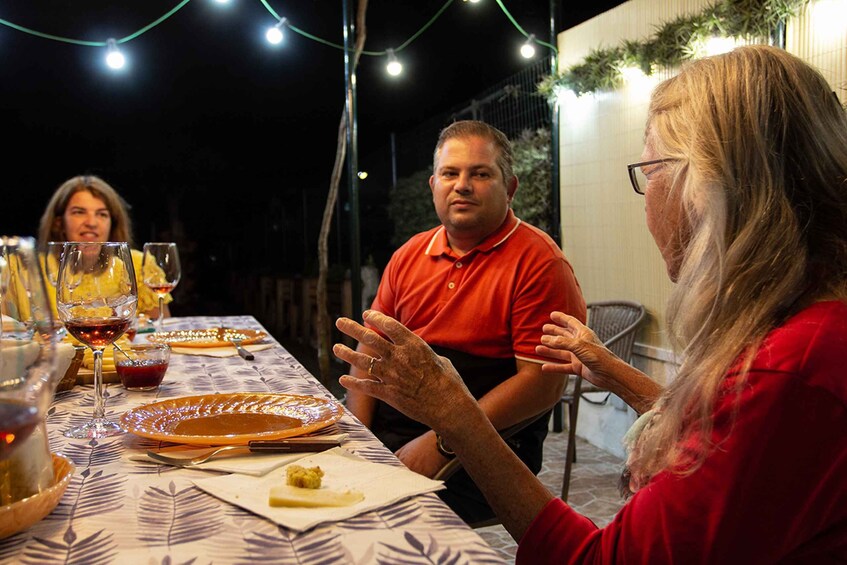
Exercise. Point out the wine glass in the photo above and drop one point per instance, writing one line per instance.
(97, 297)
(52, 259)
(160, 271)
(27, 376)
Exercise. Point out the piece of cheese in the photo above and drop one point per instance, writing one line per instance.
(286, 495)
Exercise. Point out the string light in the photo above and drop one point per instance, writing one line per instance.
(528, 48)
(274, 34)
(363, 175)
(393, 67)
(114, 58)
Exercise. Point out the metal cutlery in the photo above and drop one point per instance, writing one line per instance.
(241, 351)
(293, 445)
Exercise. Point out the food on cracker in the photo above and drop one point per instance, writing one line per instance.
(297, 476)
(304, 490)
(290, 496)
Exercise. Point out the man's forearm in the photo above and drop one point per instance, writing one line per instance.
(526, 394)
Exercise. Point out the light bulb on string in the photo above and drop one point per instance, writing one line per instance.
(114, 58)
(274, 34)
(393, 67)
(528, 47)
(362, 175)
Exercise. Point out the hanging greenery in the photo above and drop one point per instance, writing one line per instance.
(673, 43)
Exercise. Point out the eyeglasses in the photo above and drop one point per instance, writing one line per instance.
(637, 176)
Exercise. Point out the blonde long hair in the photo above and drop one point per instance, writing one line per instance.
(51, 227)
(762, 147)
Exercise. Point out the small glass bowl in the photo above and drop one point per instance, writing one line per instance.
(142, 366)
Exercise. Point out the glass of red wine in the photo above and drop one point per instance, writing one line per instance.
(27, 383)
(97, 297)
(160, 272)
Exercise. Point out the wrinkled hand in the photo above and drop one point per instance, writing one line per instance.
(421, 456)
(577, 347)
(408, 375)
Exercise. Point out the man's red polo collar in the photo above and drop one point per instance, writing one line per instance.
(439, 245)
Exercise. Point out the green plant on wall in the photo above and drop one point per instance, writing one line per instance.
(673, 43)
(410, 202)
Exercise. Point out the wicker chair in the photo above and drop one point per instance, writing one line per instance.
(615, 323)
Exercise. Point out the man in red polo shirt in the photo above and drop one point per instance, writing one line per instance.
(478, 290)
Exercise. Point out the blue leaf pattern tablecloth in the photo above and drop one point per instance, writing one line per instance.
(121, 511)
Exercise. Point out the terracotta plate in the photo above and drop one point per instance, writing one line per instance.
(231, 419)
(22, 514)
(211, 337)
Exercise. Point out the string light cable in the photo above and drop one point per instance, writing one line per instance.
(84, 43)
(112, 44)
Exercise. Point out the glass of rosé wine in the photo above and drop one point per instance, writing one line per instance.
(160, 272)
(97, 298)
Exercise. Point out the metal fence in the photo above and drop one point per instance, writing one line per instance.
(512, 105)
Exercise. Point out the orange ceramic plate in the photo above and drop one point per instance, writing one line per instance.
(22, 514)
(211, 337)
(231, 419)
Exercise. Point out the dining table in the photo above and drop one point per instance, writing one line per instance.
(119, 508)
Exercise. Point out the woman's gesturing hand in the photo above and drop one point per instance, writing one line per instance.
(407, 374)
(577, 347)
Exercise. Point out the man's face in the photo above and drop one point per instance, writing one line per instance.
(470, 195)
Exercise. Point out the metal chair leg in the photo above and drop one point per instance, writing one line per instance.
(570, 452)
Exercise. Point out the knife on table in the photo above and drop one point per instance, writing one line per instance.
(241, 351)
(291, 445)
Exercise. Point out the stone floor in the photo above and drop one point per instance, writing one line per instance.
(593, 490)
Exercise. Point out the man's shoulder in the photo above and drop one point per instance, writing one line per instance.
(419, 242)
(531, 237)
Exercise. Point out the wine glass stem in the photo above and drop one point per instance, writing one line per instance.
(99, 403)
(161, 317)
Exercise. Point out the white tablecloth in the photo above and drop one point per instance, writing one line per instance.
(117, 510)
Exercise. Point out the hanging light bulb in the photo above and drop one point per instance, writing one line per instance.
(528, 47)
(274, 34)
(114, 58)
(393, 67)
(362, 175)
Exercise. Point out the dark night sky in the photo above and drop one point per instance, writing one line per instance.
(242, 132)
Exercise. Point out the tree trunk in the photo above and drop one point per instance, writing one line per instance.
(324, 328)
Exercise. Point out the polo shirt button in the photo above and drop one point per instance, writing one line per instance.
(458, 264)
(451, 285)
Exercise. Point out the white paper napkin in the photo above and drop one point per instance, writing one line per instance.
(254, 464)
(381, 484)
(228, 351)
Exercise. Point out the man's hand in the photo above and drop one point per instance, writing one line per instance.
(422, 456)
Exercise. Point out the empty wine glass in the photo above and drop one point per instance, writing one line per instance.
(160, 272)
(52, 260)
(96, 296)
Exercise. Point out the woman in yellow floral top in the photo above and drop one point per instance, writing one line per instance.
(87, 208)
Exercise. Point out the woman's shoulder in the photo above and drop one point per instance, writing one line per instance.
(812, 345)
